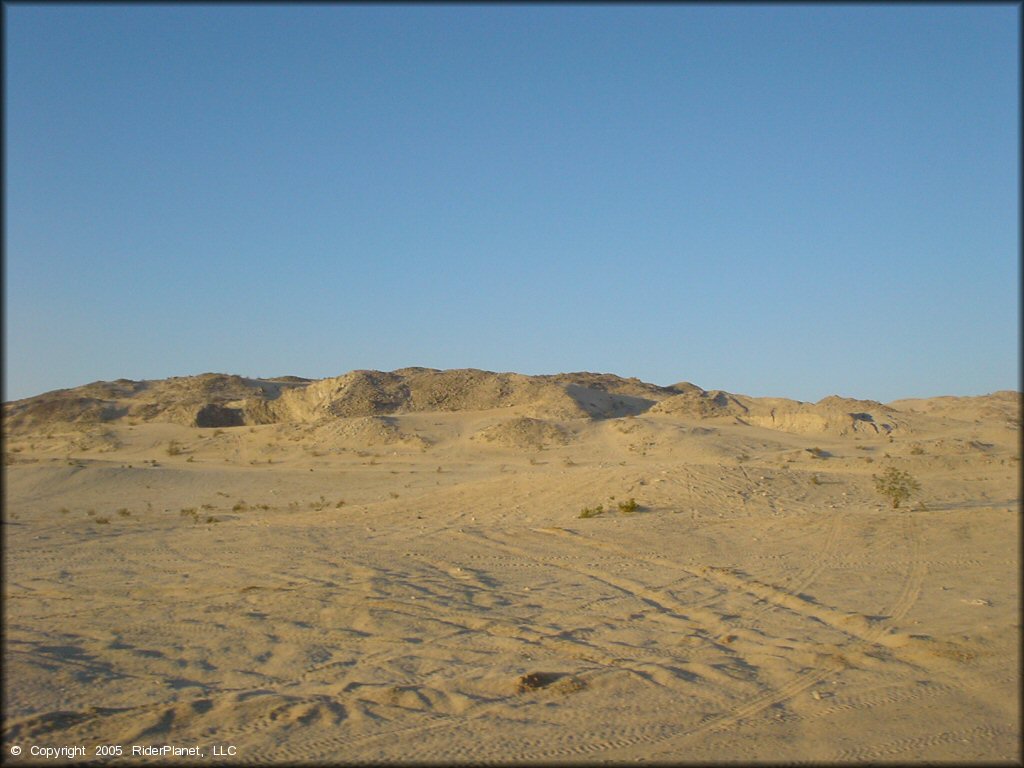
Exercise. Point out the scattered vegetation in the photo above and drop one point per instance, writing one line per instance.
(174, 448)
(628, 506)
(124, 512)
(896, 485)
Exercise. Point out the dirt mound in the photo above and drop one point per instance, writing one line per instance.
(210, 399)
(476, 390)
(696, 403)
(612, 384)
(364, 431)
(62, 408)
(1003, 406)
(411, 390)
(525, 433)
(831, 415)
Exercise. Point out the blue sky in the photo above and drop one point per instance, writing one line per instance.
(789, 200)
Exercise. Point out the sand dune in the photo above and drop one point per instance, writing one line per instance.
(393, 566)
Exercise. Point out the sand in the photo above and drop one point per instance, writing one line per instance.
(394, 567)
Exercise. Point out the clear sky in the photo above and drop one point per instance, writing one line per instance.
(790, 200)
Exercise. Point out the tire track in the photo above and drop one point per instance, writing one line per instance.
(911, 591)
(802, 580)
(606, 663)
(888, 695)
(917, 744)
(855, 625)
(283, 711)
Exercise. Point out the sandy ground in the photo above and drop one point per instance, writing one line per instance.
(423, 588)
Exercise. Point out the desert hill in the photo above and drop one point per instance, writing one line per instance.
(219, 400)
(471, 413)
(222, 400)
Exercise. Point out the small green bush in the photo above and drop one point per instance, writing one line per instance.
(628, 506)
(896, 485)
(588, 512)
